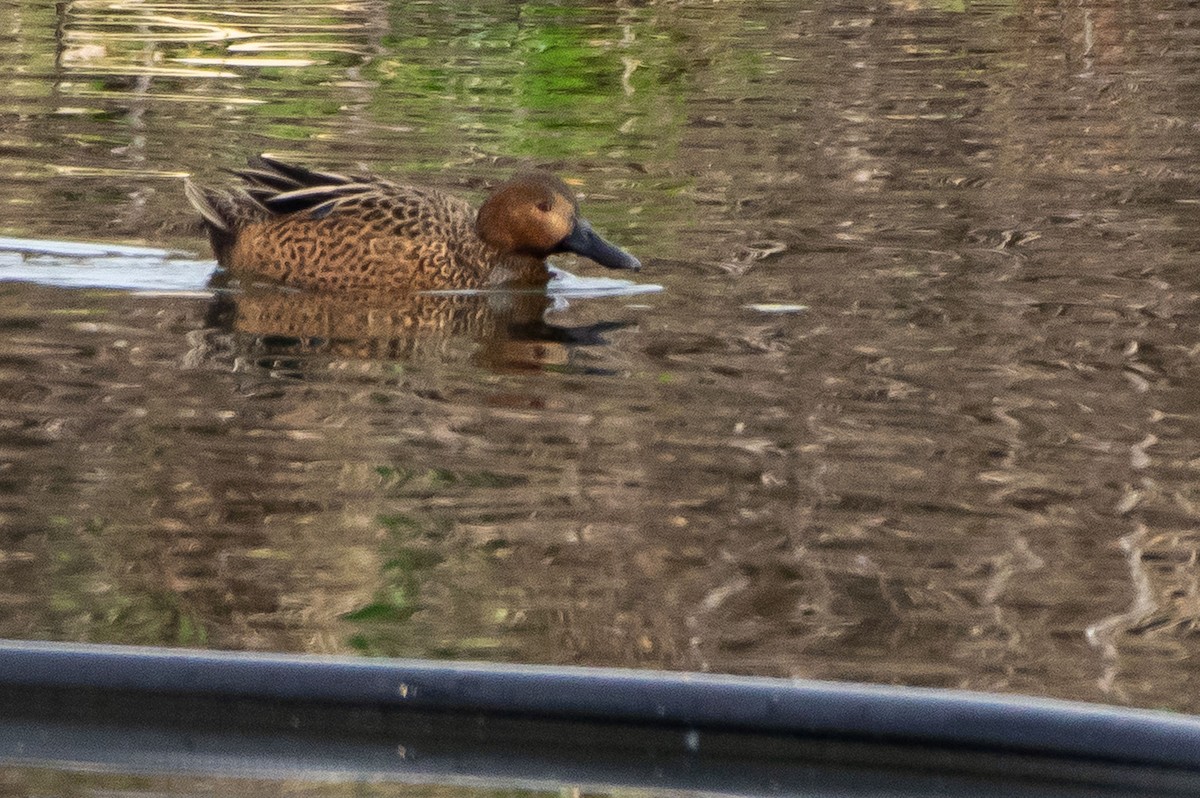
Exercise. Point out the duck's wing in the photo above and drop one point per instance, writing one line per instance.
(284, 189)
(225, 210)
(272, 187)
(265, 172)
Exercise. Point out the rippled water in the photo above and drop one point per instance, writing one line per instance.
(971, 462)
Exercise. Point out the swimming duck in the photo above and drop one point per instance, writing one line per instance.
(323, 230)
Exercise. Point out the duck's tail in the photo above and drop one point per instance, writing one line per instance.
(216, 213)
(211, 204)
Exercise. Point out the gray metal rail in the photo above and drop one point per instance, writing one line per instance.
(537, 726)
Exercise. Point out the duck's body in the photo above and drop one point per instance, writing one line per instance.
(322, 230)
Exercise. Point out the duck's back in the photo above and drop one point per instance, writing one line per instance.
(330, 231)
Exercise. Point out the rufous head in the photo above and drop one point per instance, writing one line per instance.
(536, 215)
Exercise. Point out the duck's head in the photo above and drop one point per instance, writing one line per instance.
(537, 215)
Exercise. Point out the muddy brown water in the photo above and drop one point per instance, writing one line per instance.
(971, 462)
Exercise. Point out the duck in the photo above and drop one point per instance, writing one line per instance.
(326, 231)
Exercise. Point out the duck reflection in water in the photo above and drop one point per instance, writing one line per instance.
(504, 331)
(362, 250)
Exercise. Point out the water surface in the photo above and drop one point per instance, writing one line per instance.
(971, 462)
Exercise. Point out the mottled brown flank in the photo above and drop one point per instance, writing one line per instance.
(334, 232)
(406, 239)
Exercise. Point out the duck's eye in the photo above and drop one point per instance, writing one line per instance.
(544, 206)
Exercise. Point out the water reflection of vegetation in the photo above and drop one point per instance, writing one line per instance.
(111, 608)
(605, 89)
(542, 85)
(417, 550)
